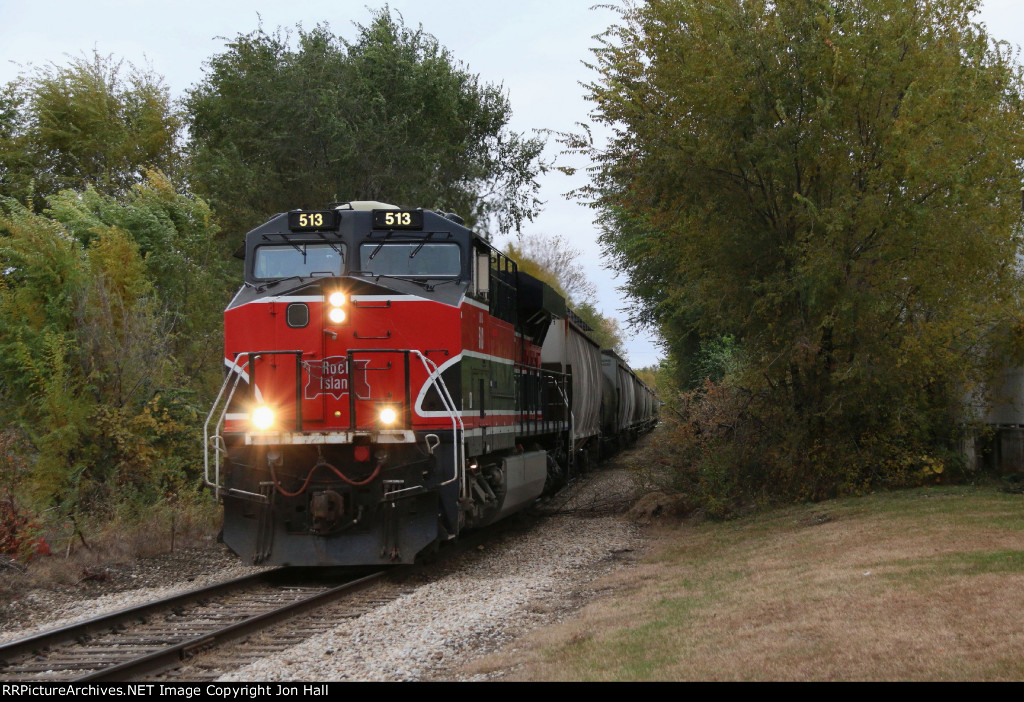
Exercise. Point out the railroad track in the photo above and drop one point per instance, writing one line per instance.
(156, 638)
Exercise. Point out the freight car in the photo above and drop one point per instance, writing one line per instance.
(630, 408)
(391, 380)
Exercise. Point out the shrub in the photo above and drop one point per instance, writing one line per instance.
(20, 533)
(729, 448)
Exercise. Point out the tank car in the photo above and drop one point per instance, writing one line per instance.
(387, 386)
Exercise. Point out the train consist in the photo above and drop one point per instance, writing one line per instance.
(391, 380)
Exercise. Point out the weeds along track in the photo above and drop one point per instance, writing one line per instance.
(158, 638)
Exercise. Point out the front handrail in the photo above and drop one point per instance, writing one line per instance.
(458, 426)
(216, 440)
(237, 372)
(435, 379)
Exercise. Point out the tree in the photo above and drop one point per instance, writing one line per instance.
(176, 236)
(834, 186)
(389, 117)
(604, 330)
(89, 124)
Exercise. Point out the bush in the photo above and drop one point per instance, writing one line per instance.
(20, 534)
(100, 302)
(729, 449)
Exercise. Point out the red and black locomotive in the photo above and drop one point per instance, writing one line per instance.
(388, 385)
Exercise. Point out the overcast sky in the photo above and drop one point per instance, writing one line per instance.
(534, 48)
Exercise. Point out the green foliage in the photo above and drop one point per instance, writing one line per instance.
(388, 117)
(183, 268)
(145, 455)
(833, 186)
(88, 124)
(109, 314)
(717, 358)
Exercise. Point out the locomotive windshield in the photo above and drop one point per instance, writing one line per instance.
(298, 259)
(411, 260)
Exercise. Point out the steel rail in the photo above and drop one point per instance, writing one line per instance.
(105, 622)
(173, 655)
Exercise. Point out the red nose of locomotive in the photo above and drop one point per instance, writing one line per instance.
(309, 359)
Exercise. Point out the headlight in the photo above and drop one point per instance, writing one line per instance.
(388, 416)
(336, 313)
(263, 418)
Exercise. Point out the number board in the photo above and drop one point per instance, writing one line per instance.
(398, 219)
(312, 221)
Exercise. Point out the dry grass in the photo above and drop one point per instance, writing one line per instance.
(77, 556)
(915, 585)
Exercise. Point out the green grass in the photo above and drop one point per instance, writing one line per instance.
(971, 563)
